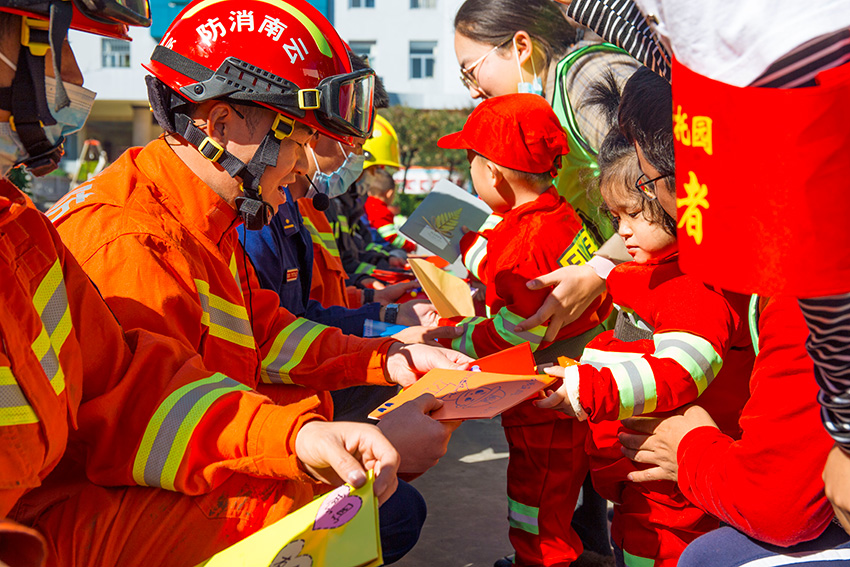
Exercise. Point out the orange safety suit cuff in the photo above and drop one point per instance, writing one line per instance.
(376, 372)
(272, 435)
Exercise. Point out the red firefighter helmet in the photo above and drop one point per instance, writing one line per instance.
(109, 18)
(282, 54)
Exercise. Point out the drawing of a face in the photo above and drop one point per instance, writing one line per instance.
(479, 397)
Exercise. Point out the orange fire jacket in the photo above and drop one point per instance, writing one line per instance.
(137, 408)
(328, 283)
(162, 248)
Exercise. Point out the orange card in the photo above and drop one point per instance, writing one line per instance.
(468, 394)
(515, 360)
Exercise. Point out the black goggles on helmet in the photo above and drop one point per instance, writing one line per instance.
(127, 12)
(342, 103)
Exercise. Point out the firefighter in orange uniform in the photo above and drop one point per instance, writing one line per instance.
(77, 393)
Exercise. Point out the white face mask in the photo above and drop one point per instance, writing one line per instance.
(68, 120)
(535, 86)
(337, 183)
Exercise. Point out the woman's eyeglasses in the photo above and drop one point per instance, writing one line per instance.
(647, 186)
(467, 74)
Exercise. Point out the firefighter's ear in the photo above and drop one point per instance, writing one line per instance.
(220, 121)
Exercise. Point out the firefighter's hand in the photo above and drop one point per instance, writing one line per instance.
(406, 363)
(657, 441)
(396, 262)
(391, 293)
(836, 480)
(418, 312)
(421, 334)
(575, 288)
(420, 440)
(338, 452)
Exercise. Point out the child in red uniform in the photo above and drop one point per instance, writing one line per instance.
(672, 337)
(514, 144)
(381, 189)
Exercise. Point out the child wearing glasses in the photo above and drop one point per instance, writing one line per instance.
(675, 340)
(514, 144)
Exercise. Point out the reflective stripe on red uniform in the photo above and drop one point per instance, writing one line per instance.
(695, 329)
(328, 282)
(69, 377)
(527, 242)
(474, 247)
(701, 350)
(382, 219)
(162, 248)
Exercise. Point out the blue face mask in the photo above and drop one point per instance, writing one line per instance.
(523, 86)
(337, 183)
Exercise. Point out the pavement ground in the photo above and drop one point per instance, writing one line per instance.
(467, 523)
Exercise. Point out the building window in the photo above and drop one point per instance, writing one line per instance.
(115, 53)
(361, 3)
(364, 49)
(422, 59)
(416, 4)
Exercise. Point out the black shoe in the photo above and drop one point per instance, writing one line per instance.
(506, 561)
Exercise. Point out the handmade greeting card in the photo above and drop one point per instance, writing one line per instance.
(339, 529)
(437, 222)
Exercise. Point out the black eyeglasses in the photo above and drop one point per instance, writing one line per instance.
(647, 186)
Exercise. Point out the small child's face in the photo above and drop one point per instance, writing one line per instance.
(483, 183)
(645, 240)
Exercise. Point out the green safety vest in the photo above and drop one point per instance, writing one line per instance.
(580, 164)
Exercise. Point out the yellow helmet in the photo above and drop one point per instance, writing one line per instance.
(382, 147)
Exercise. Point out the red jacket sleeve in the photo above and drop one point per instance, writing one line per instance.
(768, 483)
(695, 328)
(382, 220)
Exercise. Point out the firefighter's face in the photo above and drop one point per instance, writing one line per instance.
(645, 240)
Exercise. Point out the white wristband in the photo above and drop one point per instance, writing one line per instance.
(571, 385)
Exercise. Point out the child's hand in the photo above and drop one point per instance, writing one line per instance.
(565, 398)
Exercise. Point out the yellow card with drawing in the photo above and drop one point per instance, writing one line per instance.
(338, 529)
(450, 295)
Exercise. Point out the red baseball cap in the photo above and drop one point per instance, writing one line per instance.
(519, 131)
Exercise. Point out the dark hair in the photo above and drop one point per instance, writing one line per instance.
(618, 165)
(496, 21)
(381, 98)
(617, 158)
(646, 117)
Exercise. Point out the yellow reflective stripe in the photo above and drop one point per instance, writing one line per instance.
(693, 353)
(234, 271)
(633, 376)
(387, 231)
(464, 343)
(288, 350)
(51, 302)
(170, 429)
(523, 517)
(364, 268)
(505, 321)
(580, 250)
(324, 239)
(225, 320)
(475, 256)
(14, 407)
(491, 222)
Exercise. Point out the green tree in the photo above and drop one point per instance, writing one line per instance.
(418, 131)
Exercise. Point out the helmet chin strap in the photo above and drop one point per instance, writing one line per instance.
(255, 212)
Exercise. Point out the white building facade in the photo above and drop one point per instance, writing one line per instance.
(410, 44)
